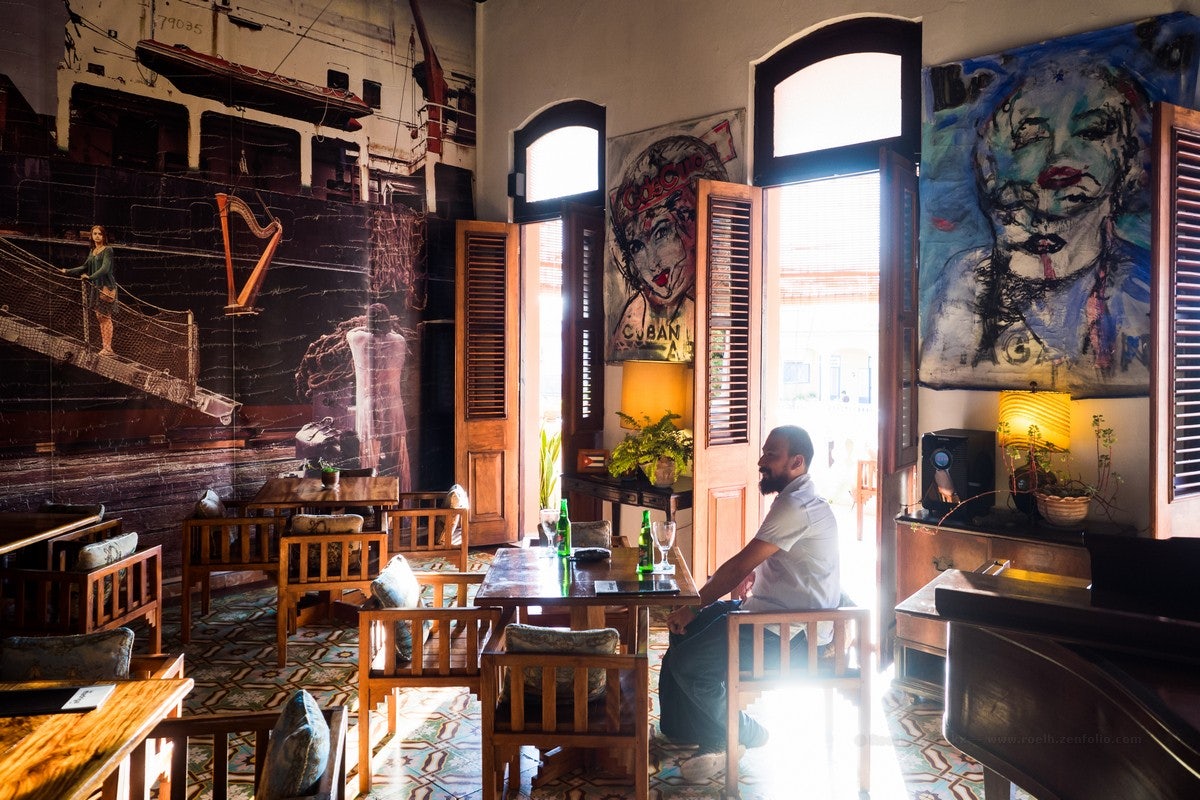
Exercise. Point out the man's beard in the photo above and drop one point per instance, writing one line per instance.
(772, 484)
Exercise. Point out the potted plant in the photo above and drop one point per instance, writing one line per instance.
(1064, 498)
(659, 449)
(330, 473)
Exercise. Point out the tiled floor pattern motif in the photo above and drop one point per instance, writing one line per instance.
(435, 753)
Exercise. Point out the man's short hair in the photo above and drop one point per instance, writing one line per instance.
(798, 441)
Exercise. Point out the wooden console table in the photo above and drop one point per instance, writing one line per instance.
(641, 493)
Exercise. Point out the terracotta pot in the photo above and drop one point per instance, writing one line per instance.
(1063, 511)
(664, 472)
(330, 479)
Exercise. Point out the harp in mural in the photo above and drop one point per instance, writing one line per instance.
(243, 302)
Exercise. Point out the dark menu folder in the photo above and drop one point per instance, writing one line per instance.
(646, 586)
(56, 700)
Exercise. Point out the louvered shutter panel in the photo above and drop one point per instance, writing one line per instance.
(727, 361)
(486, 368)
(485, 325)
(583, 333)
(1175, 287)
(728, 372)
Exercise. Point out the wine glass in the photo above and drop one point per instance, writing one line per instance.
(664, 536)
(549, 518)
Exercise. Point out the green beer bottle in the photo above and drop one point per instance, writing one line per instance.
(645, 546)
(564, 531)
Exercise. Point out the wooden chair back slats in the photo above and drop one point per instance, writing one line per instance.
(59, 602)
(222, 729)
(618, 725)
(240, 543)
(429, 532)
(845, 664)
(450, 657)
(323, 562)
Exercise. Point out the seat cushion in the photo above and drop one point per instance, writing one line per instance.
(456, 498)
(536, 639)
(297, 751)
(107, 551)
(209, 506)
(86, 656)
(397, 587)
(327, 523)
(591, 534)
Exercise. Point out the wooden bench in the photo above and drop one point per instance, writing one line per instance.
(34, 601)
(239, 543)
(448, 658)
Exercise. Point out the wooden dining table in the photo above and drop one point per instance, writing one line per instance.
(69, 756)
(520, 577)
(20, 529)
(371, 492)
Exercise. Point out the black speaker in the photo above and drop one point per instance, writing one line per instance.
(958, 472)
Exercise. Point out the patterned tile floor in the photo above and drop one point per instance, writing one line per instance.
(435, 753)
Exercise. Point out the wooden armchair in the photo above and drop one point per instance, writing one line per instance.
(549, 719)
(449, 657)
(64, 601)
(422, 529)
(844, 664)
(241, 542)
(222, 729)
(329, 563)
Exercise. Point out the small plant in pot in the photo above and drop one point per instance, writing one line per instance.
(330, 473)
(659, 449)
(1063, 498)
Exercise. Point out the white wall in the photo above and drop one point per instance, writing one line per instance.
(651, 62)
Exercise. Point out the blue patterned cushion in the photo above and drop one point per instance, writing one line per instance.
(397, 587)
(106, 551)
(536, 639)
(86, 656)
(297, 751)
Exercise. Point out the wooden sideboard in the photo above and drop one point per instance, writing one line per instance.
(925, 549)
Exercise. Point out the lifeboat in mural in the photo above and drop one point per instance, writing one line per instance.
(240, 85)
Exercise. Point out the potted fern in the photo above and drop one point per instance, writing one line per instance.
(659, 449)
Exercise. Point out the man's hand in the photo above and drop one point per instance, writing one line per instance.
(743, 589)
(680, 618)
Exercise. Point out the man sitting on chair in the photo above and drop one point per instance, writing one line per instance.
(792, 563)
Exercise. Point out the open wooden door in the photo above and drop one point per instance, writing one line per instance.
(898, 436)
(728, 372)
(486, 377)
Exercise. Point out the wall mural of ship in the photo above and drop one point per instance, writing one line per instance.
(271, 180)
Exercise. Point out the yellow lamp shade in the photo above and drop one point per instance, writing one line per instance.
(1050, 412)
(652, 388)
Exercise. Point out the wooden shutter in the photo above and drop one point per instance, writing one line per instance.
(899, 438)
(1175, 304)
(728, 371)
(487, 378)
(583, 336)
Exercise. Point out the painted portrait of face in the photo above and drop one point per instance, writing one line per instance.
(1054, 163)
(654, 217)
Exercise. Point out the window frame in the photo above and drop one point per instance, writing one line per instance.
(875, 34)
(581, 113)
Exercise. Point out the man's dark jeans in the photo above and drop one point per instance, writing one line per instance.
(691, 686)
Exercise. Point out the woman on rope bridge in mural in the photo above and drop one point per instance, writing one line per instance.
(101, 280)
